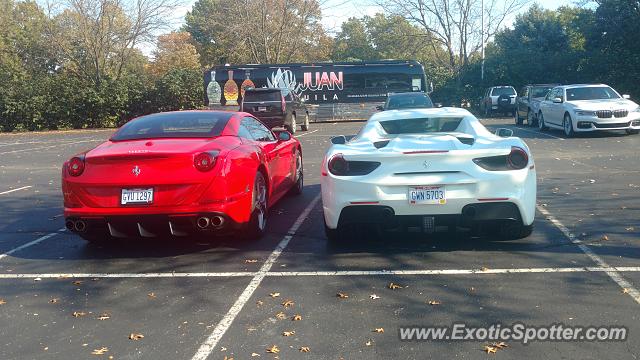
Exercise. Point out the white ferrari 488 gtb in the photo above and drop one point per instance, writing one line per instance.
(428, 168)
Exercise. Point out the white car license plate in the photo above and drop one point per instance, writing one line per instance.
(427, 195)
(136, 196)
(262, 108)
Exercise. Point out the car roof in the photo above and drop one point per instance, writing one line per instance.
(535, 85)
(582, 85)
(501, 86)
(407, 93)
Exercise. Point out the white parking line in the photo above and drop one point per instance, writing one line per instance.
(13, 190)
(539, 133)
(47, 147)
(212, 340)
(428, 272)
(34, 242)
(307, 133)
(613, 273)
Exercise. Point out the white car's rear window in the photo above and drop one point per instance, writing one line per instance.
(421, 125)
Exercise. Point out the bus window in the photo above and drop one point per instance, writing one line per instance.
(416, 84)
(375, 81)
(398, 82)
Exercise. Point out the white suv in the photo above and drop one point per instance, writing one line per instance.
(582, 108)
(499, 99)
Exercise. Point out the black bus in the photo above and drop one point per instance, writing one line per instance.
(318, 83)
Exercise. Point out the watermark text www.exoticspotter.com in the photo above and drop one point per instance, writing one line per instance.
(519, 332)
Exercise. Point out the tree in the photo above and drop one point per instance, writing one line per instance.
(353, 42)
(255, 31)
(455, 25)
(174, 51)
(99, 37)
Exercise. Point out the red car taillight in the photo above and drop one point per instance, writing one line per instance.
(204, 161)
(517, 158)
(75, 167)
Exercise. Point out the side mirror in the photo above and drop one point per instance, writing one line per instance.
(380, 108)
(557, 100)
(504, 132)
(438, 105)
(284, 135)
(339, 140)
(626, 96)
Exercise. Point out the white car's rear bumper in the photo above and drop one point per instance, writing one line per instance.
(463, 189)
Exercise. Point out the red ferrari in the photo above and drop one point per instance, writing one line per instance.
(181, 173)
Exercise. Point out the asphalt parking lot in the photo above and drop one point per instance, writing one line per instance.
(64, 299)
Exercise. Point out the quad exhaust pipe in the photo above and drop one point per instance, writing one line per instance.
(79, 226)
(215, 221)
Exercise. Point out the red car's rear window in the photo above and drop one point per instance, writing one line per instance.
(187, 124)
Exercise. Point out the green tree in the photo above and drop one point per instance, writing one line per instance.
(354, 42)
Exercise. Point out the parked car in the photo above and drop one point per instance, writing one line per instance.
(427, 168)
(584, 108)
(498, 99)
(181, 173)
(528, 102)
(276, 108)
(406, 100)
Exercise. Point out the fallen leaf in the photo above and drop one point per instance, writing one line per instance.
(434, 302)
(227, 358)
(288, 303)
(296, 317)
(393, 286)
(288, 333)
(625, 291)
(223, 349)
(100, 351)
(378, 330)
(135, 336)
(37, 279)
(490, 349)
(374, 296)
(254, 354)
(472, 289)
(251, 261)
(273, 349)
(305, 349)
(3, 301)
(484, 269)
(259, 302)
(104, 316)
(605, 237)
(630, 228)
(77, 282)
(281, 316)
(151, 295)
(79, 313)
(342, 295)
(369, 342)
(53, 300)
(500, 345)
(274, 294)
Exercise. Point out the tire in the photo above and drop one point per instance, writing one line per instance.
(531, 118)
(541, 125)
(258, 222)
(333, 235)
(567, 126)
(632, 131)
(305, 126)
(299, 176)
(292, 127)
(512, 230)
